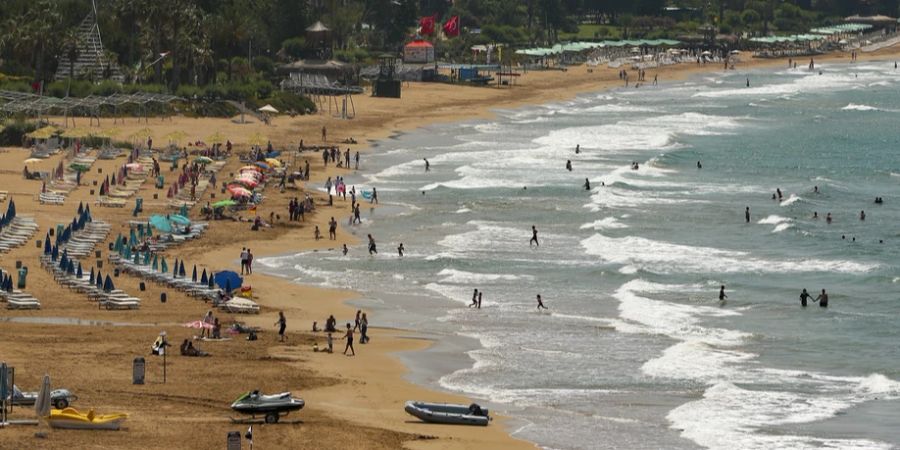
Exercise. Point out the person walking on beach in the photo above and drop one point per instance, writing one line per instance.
(356, 218)
(249, 262)
(400, 249)
(822, 299)
(282, 325)
(357, 160)
(747, 214)
(332, 229)
(534, 238)
(474, 298)
(804, 296)
(364, 329)
(243, 260)
(317, 233)
(479, 300)
(540, 303)
(374, 195)
(372, 249)
(324, 134)
(347, 158)
(722, 295)
(349, 337)
(208, 321)
(356, 321)
(427, 165)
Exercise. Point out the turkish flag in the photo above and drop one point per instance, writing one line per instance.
(426, 25)
(451, 27)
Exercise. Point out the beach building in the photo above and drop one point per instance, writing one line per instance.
(418, 51)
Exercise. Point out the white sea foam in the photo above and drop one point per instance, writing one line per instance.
(665, 257)
(781, 223)
(855, 107)
(606, 223)
(793, 198)
(463, 277)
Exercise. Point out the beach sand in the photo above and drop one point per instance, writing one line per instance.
(354, 402)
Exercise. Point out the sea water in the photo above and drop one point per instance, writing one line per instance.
(636, 351)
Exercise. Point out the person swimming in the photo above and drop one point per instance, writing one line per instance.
(862, 215)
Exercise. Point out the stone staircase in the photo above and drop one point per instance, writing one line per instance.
(91, 62)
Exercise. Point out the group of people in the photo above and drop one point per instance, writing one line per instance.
(361, 323)
(341, 159)
(297, 209)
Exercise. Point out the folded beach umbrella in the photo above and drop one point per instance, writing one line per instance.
(108, 284)
(137, 257)
(155, 264)
(11, 210)
(79, 273)
(211, 281)
(146, 258)
(118, 245)
(87, 210)
(70, 268)
(113, 178)
(194, 274)
(91, 279)
(203, 278)
(181, 272)
(183, 211)
(132, 237)
(54, 253)
(141, 231)
(99, 280)
(175, 268)
(80, 207)
(127, 254)
(103, 189)
(63, 261)
(165, 266)
(149, 230)
(47, 247)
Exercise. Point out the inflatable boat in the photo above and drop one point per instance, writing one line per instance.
(448, 413)
(270, 406)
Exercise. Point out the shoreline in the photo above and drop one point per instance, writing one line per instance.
(369, 386)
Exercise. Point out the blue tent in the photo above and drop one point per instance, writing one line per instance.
(108, 284)
(228, 280)
(203, 278)
(194, 274)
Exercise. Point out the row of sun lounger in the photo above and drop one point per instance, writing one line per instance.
(19, 300)
(112, 299)
(82, 243)
(51, 198)
(17, 233)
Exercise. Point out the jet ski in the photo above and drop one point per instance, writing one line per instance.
(271, 406)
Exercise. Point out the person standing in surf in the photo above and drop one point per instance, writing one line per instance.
(534, 238)
(427, 165)
(804, 296)
(823, 299)
(474, 299)
(747, 214)
(479, 300)
(540, 303)
(372, 249)
(587, 184)
(722, 296)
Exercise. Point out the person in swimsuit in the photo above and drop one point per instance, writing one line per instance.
(372, 249)
(804, 296)
(722, 295)
(534, 238)
(474, 299)
(569, 165)
(401, 249)
(747, 214)
(282, 325)
(540, 303)
(587, 184)
(823, 299)
(427, 165)
(479, 300)
(349, 337)
(577, 148)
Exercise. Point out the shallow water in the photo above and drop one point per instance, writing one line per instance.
(636, 347)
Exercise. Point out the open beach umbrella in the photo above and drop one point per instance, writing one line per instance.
(245, 183)
(108, 284)
(160, 223)
(135, 167)
(237, 191)
(268, 109)
(179, 219)
(181, 272)
(223, 203)
(199, 324)
(262, 165)
(203, 279)
(257, 139)
(249, 168)
(176, 136)
(164, 266)
(79, 167)
(43, 133)
(273, 162)
(228, 279)
(194, 274)
(42, 403)
(203, 160)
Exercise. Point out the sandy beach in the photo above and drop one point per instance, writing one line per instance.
(351, 401)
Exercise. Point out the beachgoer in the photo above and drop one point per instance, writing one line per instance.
(208, 321)
(357, 160)
(372, 249)
(587, 184)
(332, 229)
(815, 215)
(400, 249)
(363, 329)
(349, 337)
(815, 189)
(699, 166)
(804, 296)
(577, 148)
(244, 256)
(747, 214)
(540, 303)
(249, 261)
(330, 342)
(862, 215)
(282, 325)
(324, 134)
(356, 321)
(345, 250)
(534, 238)
(748, 81)
(318, 234)
(427, 165)
(374, 195)
(828, 218)
(479, 300)
(331, 324)
(474, 298)
(569, 165)
(823, 299)
(722, 295)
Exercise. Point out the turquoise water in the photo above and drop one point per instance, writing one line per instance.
(636, 351)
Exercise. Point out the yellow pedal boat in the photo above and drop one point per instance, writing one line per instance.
(70, 418)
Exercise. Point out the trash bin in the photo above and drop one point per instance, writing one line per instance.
(143, 286)
(163, 297)
(137, 376)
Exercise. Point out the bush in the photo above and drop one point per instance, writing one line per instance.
(288, 101)
(294, 46)
(107, 87)
(77, 88)
(264, 64)
(13, 132)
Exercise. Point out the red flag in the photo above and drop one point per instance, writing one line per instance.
(426, 25)
(451, 27)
